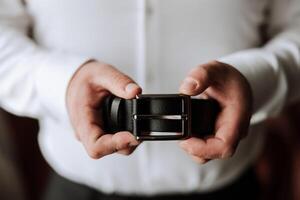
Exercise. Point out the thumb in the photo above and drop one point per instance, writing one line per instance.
(118, 83)
(196, 82)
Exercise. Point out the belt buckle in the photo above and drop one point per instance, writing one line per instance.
(184, 117)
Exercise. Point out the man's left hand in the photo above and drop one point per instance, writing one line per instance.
(230, 88)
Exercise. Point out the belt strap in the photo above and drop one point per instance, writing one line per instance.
(159, 113)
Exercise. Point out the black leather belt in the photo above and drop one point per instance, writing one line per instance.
(160, 117)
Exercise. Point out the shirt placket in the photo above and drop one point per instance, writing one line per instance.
(148, 50)
(141, 43)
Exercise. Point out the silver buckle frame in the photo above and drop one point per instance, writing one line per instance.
(184, 117)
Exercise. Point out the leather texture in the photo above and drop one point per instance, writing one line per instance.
(117, 115)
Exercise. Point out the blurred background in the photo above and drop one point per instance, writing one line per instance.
(24, 172)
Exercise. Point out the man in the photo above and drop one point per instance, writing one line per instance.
(61, 76)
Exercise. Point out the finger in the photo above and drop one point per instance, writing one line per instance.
(231, 124)
(225, 141)
(129, 149)
(199, 160)
(205, 149)
(126, 151)
(98, 147)
(197, 81)
(95, 141)
(124, 140)
(85, 120)
(117, 83)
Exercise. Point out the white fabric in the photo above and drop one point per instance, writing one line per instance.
(156, 42)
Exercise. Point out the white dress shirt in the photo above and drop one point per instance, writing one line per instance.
(156, 42)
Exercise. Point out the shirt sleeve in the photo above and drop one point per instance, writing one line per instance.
(273, 70)
(33, 80)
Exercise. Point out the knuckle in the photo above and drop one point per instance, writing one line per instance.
(106, 65)
(215, 62)
(126, 152)
(204, 71)
(94, 153)
(205, 74)
(199, 160)
(198, 69)
(228, 152)
(192, 151)
(121, 78)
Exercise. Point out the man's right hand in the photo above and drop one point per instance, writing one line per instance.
(86, 91)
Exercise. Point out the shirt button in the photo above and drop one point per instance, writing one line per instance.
(149, 8)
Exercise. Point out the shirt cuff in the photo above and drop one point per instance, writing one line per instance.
(266, 78)
(52, 80)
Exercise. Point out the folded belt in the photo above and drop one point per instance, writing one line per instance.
(160, 116)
